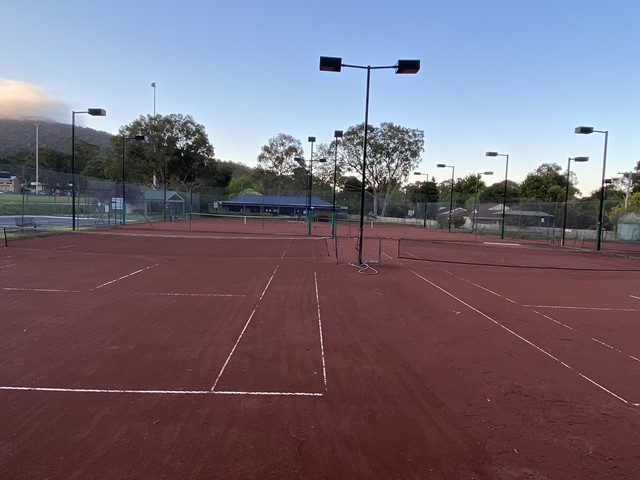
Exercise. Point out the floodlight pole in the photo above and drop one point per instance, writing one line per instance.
(137, 138)
(453, 169)
(504, 196)
(336, 134)
(566, 195)
(426, 196)
(475, 221)
(309, 203)
(95, 112)
(334, 64)
(587, 131)
(153, 85)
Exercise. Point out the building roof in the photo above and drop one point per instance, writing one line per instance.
(172, 195)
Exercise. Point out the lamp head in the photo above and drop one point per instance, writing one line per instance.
(580, 159)
(441, 165)
(330, 64)
(584, 130)
(407, 66)
(322, 160)
(312, 139)
(338, 133)
(97, 112)
(140, 138)
(491, 154)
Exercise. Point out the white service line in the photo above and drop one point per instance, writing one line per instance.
(40, 290)
(528, 342)
(490, 291)
(159, 392)
(598, 309)
(285, 250)
(68, 246)
(255, 307)
(324, 367)
(159, 294)
(633, 296)
(124, 276)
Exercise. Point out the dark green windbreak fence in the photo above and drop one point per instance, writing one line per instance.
(99, 203)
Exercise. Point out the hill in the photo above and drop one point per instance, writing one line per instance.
(19, 135)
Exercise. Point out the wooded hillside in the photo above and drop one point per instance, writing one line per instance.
(19, 135)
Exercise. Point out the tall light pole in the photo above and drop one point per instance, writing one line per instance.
(334, 64)
(137, 138)
(336, 135)
(475, 217)
(95, 112)
(587, 131)
(153, 85)
(426, 196)
(311, 140)
(504, 196)
(566, 194)
(442, 165)
(37, 149)
(301, 162)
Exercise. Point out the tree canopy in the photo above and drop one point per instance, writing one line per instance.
(393, 152)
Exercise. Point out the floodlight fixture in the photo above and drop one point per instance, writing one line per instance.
(407, 66)
(330, 64)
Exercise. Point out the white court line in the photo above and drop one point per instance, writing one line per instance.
(124, 276)
(285, 250)
(7, 266)
(159, 294)
(324, 367)
(528, 342)
(598, 309)
(243, 330)
(633, 296)
(160, 392)
(489, 291)
(503, 244)
(550, 318)
(68, 246)
(39, 290)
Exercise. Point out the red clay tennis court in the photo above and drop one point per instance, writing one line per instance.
(155, 353)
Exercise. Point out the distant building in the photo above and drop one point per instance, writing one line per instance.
(9, 183)
(273, 204)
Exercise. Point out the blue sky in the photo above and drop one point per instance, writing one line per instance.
(511, 76)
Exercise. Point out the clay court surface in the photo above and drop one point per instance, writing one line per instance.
(179, 353)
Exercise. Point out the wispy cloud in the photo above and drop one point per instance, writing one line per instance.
(25, 101)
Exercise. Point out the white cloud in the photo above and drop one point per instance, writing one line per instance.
(25, 101)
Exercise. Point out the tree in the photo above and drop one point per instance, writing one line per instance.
(240, 184)
(547, 183)
(495, 193)
(392, 153)
(175, 141)
(277, 156)
(323, 172)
